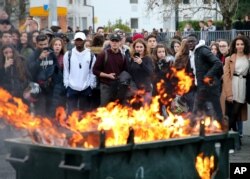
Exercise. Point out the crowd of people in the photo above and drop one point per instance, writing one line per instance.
(46, 70)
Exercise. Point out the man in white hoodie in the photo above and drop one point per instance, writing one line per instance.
(78, 77)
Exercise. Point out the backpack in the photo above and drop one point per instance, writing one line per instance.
(106, 57)
(91, 59)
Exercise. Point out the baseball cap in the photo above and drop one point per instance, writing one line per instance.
(80, 35)
(115, 37)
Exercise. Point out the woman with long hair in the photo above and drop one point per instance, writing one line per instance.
(215, 49)
(175, 46)
(34, 34)
(141, 69)
(182, 61)
(26, 48)
(234, 82)
(163, 62)
(58, 96)
(182, 57)
(13, 71)
(57, 45)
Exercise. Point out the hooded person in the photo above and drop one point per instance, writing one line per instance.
(207, 70)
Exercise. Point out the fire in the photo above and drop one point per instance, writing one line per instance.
(205, 166)
(208, 80)
(184, 81)
(15, 113)
(116, 122)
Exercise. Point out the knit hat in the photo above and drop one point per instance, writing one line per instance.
(137, 36)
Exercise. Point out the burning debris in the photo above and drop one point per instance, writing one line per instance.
(80, 130)
(117, 121)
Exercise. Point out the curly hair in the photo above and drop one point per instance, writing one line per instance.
(246, 44)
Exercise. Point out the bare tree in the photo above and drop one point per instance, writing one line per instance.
(227, 8)
(16, 9)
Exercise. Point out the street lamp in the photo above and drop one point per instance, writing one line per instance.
(93, 16)
(52, 13)
(176, 5)
(176, 16)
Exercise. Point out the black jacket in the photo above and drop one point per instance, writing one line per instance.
(208, 65)
(41, 69)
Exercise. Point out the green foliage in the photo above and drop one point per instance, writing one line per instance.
(118, 24)
(243, 9)
(195, 25)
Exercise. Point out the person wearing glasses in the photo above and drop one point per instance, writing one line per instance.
(224, 50)
(41, 65)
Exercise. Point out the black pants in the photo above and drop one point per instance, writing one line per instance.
(209, 103)
(233, 111)
(79, 100)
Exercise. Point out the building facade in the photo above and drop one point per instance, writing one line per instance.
(134, 13)
(192, 10)
(80, 14)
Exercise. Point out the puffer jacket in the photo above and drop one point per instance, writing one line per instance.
(208, 65)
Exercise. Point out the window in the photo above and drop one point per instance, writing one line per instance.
(186, 2)
(133, 1)
(134, 23)
(70, 21)
(84, 23)
(206, 1)
(165, 1)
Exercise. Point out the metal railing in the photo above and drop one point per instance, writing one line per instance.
(208, 36)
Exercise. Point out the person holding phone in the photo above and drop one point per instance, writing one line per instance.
(42, 64)
(13, 72)
(141, 69)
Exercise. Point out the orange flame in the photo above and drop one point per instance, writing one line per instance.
(184, 81)
(82, 130)
(15, 113)
(205, 166)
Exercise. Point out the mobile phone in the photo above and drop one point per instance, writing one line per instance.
(137, 54)
(46, 48)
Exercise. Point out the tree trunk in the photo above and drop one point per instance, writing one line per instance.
(228, 9)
